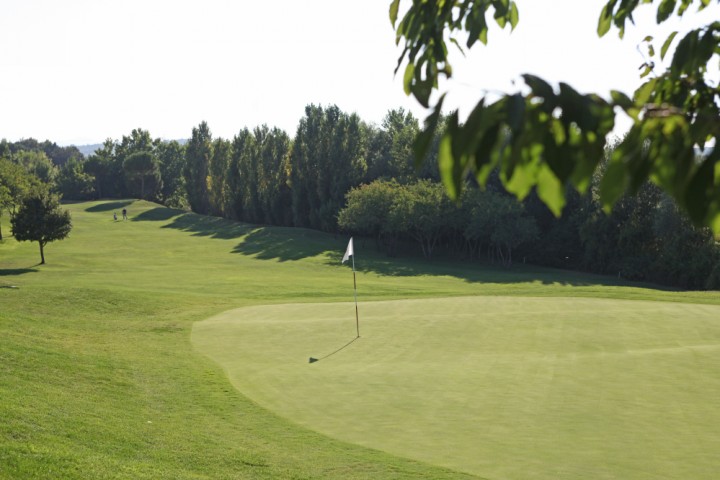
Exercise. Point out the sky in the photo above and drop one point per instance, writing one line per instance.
(81, 71)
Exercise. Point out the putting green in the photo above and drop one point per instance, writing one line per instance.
(500, 387)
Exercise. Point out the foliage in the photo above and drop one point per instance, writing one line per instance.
(498, 221)
(41, 219)
(58, 155)
(73, 183)
(217, 168)
(37, 164)
(367, 212)
(142, 166)
(548, 138)
(15, 184)
(171, 159)
(422, 211)
(198, 152)
(327, 159)
(105, 170)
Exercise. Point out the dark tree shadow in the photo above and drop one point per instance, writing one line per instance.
(108, 206)
(213, 227)
(371, 261)
(157, 214)
(283, 243)
(292, 243)
(263, 242)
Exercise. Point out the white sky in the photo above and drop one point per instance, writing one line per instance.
(81, 71)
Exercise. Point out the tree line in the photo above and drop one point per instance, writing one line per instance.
(341, 174)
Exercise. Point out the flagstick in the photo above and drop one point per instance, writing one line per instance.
(357, 319)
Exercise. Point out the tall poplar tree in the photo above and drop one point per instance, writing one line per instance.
(197, 158)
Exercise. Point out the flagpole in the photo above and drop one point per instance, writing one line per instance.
(357, 319)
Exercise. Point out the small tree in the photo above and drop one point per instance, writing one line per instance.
(40, 219)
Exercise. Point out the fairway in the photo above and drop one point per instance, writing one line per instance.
(499, 387)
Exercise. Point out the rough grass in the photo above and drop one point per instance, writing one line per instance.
(98, 375)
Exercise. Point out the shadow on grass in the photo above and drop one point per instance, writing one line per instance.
(313, 359)
(289, 244)
(371, 261)
(157, 214)
(265, 243)
(6, 272)
(108, 206)
(283, 243)
(213, 227)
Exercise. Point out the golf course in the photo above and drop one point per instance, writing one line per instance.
(179, 346)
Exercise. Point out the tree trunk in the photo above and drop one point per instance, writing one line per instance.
(42, 253)
(142, 187)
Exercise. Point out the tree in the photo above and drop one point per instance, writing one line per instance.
(216, 181)
(38, 164)
(497, 220)
(423, 211)
(103, 167)
(72, 181)
(327, 159)
(15, 184)
(391, 153)
(367, 212)
(40, 219)
(198, 152)
(142, 166)
(549, 137)
(171, 160)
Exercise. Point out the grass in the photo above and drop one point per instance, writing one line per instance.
(545, 387)
(99, 377)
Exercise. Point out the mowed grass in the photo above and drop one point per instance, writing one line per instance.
(498, 387)
(99, 377)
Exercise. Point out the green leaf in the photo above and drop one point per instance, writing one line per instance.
(645, 91)
(514, 15)
(408, 77)
(612, 185)
(394, 11)
(516, 113)
(699, 192)
(550, 190)
(424, 139)
(445, 165)
(451, 163)
(666, 44)
(522, 178)
(604, 22)
(459, 47)
(665, 9)
(621, 100)
(539, 87)
(685, 51)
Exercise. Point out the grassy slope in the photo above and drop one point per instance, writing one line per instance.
(98, 378)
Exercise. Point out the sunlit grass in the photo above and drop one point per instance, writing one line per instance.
(98, 375)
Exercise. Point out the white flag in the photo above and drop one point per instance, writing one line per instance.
(349, 252)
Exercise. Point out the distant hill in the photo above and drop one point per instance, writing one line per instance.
(89, 149)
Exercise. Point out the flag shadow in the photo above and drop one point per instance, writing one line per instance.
(313, 359)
